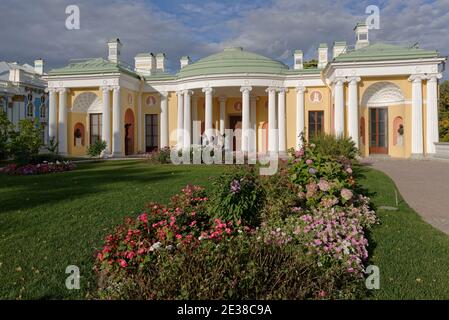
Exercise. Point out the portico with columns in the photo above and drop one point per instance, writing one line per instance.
(383, 97)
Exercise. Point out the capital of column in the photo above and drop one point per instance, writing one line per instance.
(187, 92)
(253, 98)
(222, 98)
(164, 94)
(179, 93)
(271, 89)
(106, 89)
(354, 80)
(246, 89)
(61, 90)
(339, 81)
(434, 77)
(282, 90)
(50, 90)
(417, 78)
(301, 89)
(115, 88)
(207, 90)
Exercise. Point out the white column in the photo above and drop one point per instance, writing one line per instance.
(62, 126)
(180, 119)
(253, 117)
(52, 114)
(222, 100)
(106, 119)
(417, 121)
(187, 119)
(339, 116)
(196, 129)
(140, 125)
(116, 123)
(353, 110)
(208, 112)
(281, 120)
(164, 120)
(272, 125)
(245, 117)
(300, 123)
(432, 134)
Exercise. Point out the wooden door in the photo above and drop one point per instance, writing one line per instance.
(378, 131)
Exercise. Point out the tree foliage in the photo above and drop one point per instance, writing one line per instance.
(444, 111)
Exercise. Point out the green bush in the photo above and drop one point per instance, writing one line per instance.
(26, 143)
(241, 268)
(237, 196)
(46, 157)
(6, 127)
(95, 149)
(159, 156)
(335, 147)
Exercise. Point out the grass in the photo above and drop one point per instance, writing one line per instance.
(51, 221)
(412, 255)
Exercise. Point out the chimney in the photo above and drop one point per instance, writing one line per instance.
(361, 34)
(39, 66)
(322, 56)
(114, 46)
(144, 63)
(298, 60)
(185, 61)
(160, 62)
(339, 48)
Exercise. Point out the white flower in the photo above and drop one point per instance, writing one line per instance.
(155, 246)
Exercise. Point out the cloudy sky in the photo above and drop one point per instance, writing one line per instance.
(36, 28)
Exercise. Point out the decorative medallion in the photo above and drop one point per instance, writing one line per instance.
(150, 101)
(316, 97)
(238, 106)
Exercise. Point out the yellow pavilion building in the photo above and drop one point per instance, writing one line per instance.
(383, 96)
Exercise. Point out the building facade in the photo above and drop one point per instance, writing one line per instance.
(382, 96)
(22, 93)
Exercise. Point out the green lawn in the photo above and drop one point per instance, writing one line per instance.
(413, 257)
(49, 222)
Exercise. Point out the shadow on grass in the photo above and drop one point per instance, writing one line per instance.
(25, 192)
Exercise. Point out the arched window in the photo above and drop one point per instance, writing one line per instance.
(30, 106)
(43, 108)
(398, 131)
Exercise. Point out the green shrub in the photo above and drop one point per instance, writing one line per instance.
(335, 147)
(241, 268)
(237, 196)
(6, 127)
(95, 149)
(46, 157)
(26, 143)
(159, 156)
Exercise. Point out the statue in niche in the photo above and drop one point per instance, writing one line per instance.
(400, 139)
(78, 137)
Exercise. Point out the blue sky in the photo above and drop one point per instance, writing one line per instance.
(36, 28)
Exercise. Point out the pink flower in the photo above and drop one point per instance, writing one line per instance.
(122, 263)
(309, 161)
(178, 236)
(349, 170)
(346, 194)
(144, 217)
(322, 293)
(193, 223)
(323, 185)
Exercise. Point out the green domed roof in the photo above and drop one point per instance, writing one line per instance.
(233, 60)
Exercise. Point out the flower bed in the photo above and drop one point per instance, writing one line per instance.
(42, 168)
(306, 226)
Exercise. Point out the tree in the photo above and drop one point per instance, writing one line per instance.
(6, 127)
(311, 64)
(25, 143)
(97, 148)
(444, 111)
